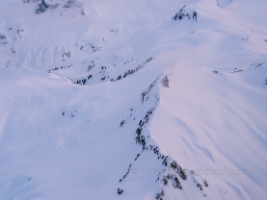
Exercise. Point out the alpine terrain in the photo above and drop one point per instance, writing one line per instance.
(133, 100)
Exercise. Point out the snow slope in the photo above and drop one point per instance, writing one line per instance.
(160, 99)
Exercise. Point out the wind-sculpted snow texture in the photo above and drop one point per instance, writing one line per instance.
(156, 99)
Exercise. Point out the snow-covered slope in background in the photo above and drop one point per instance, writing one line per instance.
(160, 99)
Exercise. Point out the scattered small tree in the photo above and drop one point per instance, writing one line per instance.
(176, 183)
(84, 81)
(165, 81)
(120, 191)
(3, 39)
(160, 195)
(195, 15)
(42, 7)
(200, 186)
(174, 164)
(122, 123)
(119, 77)
(164, 181)
(206, 183)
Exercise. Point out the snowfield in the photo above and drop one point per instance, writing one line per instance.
(132, 100)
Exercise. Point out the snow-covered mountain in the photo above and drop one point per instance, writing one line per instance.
(154, 99)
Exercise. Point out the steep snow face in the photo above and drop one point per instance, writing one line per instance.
(133, 99)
